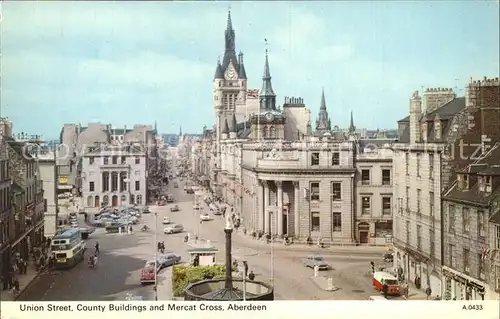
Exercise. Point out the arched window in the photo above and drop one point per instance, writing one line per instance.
(132, 199)
(97, 202)
(272, 131)
(123, 200)
(139, 199)
(90, 201)
(105, 200)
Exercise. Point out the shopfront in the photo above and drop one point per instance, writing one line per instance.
(458, 286)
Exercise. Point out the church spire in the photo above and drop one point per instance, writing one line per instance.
(323, 123)
(352, 128)
(230, 50)
(180, 130)
(267, 96)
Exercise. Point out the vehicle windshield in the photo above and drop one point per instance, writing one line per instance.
(318, 258)
(391, 281)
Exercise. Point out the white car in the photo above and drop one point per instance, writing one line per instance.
(174, 229)
(205, 217)
(196, 206)
(166, 220)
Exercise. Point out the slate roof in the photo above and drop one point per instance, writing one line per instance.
(121, 131)
(445, 112)
(489, 164)
(124, 149)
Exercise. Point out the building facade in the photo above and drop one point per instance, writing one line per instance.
(282, 176)
(6, 215)
(47, 170)
(467, 206)
(114, 175)
(76, 140)
(433, 144)
(373, 195)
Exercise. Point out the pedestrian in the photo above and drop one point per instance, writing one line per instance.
(405, 290)
(251, 275)
(158, 245)
(25, 267)
(97, 251)
(385, 290)
(245, 268)
(16, 286)
(428, 292)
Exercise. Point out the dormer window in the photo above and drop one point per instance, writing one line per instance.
(487, 184)
(437, 129)
(463, 182)
(424, 131)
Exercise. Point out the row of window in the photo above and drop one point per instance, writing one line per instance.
(367, 180)
(95, 201)
(466, 261)
(419, 202)
(419, 164)
(432, 247)
(114, 185)
(381, 229)
(335, 158)
(115, 160)
(466, 227)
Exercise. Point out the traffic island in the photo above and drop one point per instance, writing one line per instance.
(227, 288)
(325, 283)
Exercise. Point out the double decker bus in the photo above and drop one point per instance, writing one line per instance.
(68, 248)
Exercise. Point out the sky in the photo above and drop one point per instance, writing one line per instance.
(126, 63)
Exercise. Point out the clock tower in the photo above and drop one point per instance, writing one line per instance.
(230, 82)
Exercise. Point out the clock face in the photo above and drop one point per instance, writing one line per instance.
(269, 116)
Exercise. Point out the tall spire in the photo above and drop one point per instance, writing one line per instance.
(323, 100)
(218, 71)
(180, 130)
(242, 74)
(267, 95)
(230, 50)
(323, 123)
(352, 128)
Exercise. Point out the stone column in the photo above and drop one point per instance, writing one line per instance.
(279, 185)
(296, 210)
(259, 211)
(266, 207)
(110, 182)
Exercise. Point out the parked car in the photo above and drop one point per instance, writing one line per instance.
(196, 206)
(313, 261)
(174, 208)
(169, 259)
(174, 229)
(205, 217)
(148, 275)
(170, 198)
(146, 210)
(166, 220)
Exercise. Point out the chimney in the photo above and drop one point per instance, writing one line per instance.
(434, 98)
(415, 115)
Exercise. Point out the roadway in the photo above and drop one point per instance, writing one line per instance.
(123, 257)
(292, 281)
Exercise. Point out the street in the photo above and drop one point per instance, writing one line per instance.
(123, 256)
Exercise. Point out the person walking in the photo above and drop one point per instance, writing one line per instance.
(97, 251)
(428, 292)
(385, 290)
(251, 275)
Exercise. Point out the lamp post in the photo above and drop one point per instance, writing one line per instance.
(229, 259)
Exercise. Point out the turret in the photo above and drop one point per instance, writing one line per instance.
(242, 74)
(267, 95)
(415, 116)
(323, 123)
